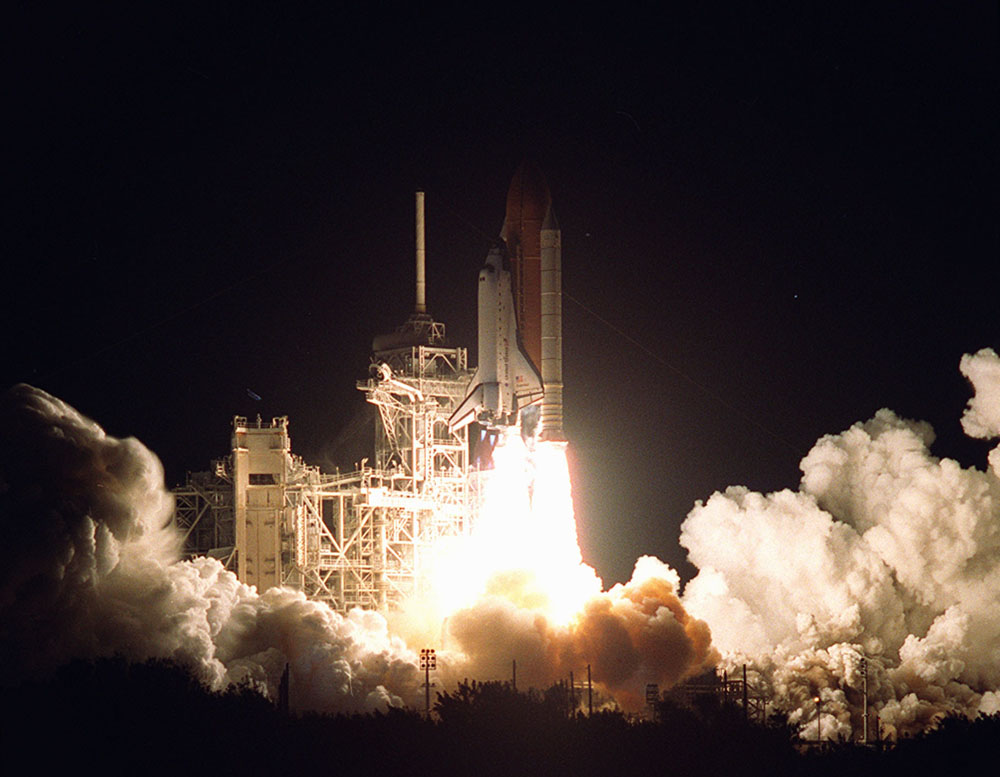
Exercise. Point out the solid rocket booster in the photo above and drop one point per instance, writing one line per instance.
(534, 246)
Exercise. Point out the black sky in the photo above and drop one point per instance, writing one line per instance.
(775, 222)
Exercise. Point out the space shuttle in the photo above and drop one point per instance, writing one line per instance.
(520, 318)
(506, 381)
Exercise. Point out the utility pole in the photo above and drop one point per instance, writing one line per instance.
(428, 661)
(514, 674)
(864, 686)
(590, 694)
(572, 695)
(745, 710)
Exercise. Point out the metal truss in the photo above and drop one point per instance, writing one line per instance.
(362, 539)
(203, 512)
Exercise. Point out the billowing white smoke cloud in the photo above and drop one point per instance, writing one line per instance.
(982, 416)
(885, 552)
(89, 568)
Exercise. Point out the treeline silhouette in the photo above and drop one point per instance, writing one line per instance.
(110, 717)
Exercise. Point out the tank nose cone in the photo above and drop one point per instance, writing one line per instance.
(528, 200)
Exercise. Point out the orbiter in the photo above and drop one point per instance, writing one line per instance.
(519, 346)
(506, 381)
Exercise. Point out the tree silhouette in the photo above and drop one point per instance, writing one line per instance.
(155, 718)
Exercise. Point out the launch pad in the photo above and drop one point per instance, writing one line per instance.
(363, 538)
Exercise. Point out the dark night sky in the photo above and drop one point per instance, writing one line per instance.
(774, 223)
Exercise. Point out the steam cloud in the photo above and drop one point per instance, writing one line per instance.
(885, 552)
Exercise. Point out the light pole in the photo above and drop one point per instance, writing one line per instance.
(428, 661)
(819, 723)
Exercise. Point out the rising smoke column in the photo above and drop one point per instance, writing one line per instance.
(885, 552)
(89, 568)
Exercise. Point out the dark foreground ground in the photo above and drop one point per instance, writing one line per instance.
(150, 719)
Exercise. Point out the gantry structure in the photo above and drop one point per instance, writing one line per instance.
(362, 538)
(357, 539)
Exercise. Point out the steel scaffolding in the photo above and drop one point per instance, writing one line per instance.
(360, 539)
(203, 511)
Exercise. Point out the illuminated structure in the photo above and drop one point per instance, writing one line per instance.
(356, 539)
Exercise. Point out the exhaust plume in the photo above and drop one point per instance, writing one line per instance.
(634, 634)
(518, 590)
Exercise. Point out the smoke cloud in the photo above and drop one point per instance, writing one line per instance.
(634, 634)
(982, 415)
(886, 552)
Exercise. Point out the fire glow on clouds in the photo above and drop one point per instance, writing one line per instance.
(885, 552)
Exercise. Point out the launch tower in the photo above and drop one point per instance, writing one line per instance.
(357, 539)
(364, 538)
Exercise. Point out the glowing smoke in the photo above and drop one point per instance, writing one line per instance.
(885, 551)
(982, 416)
